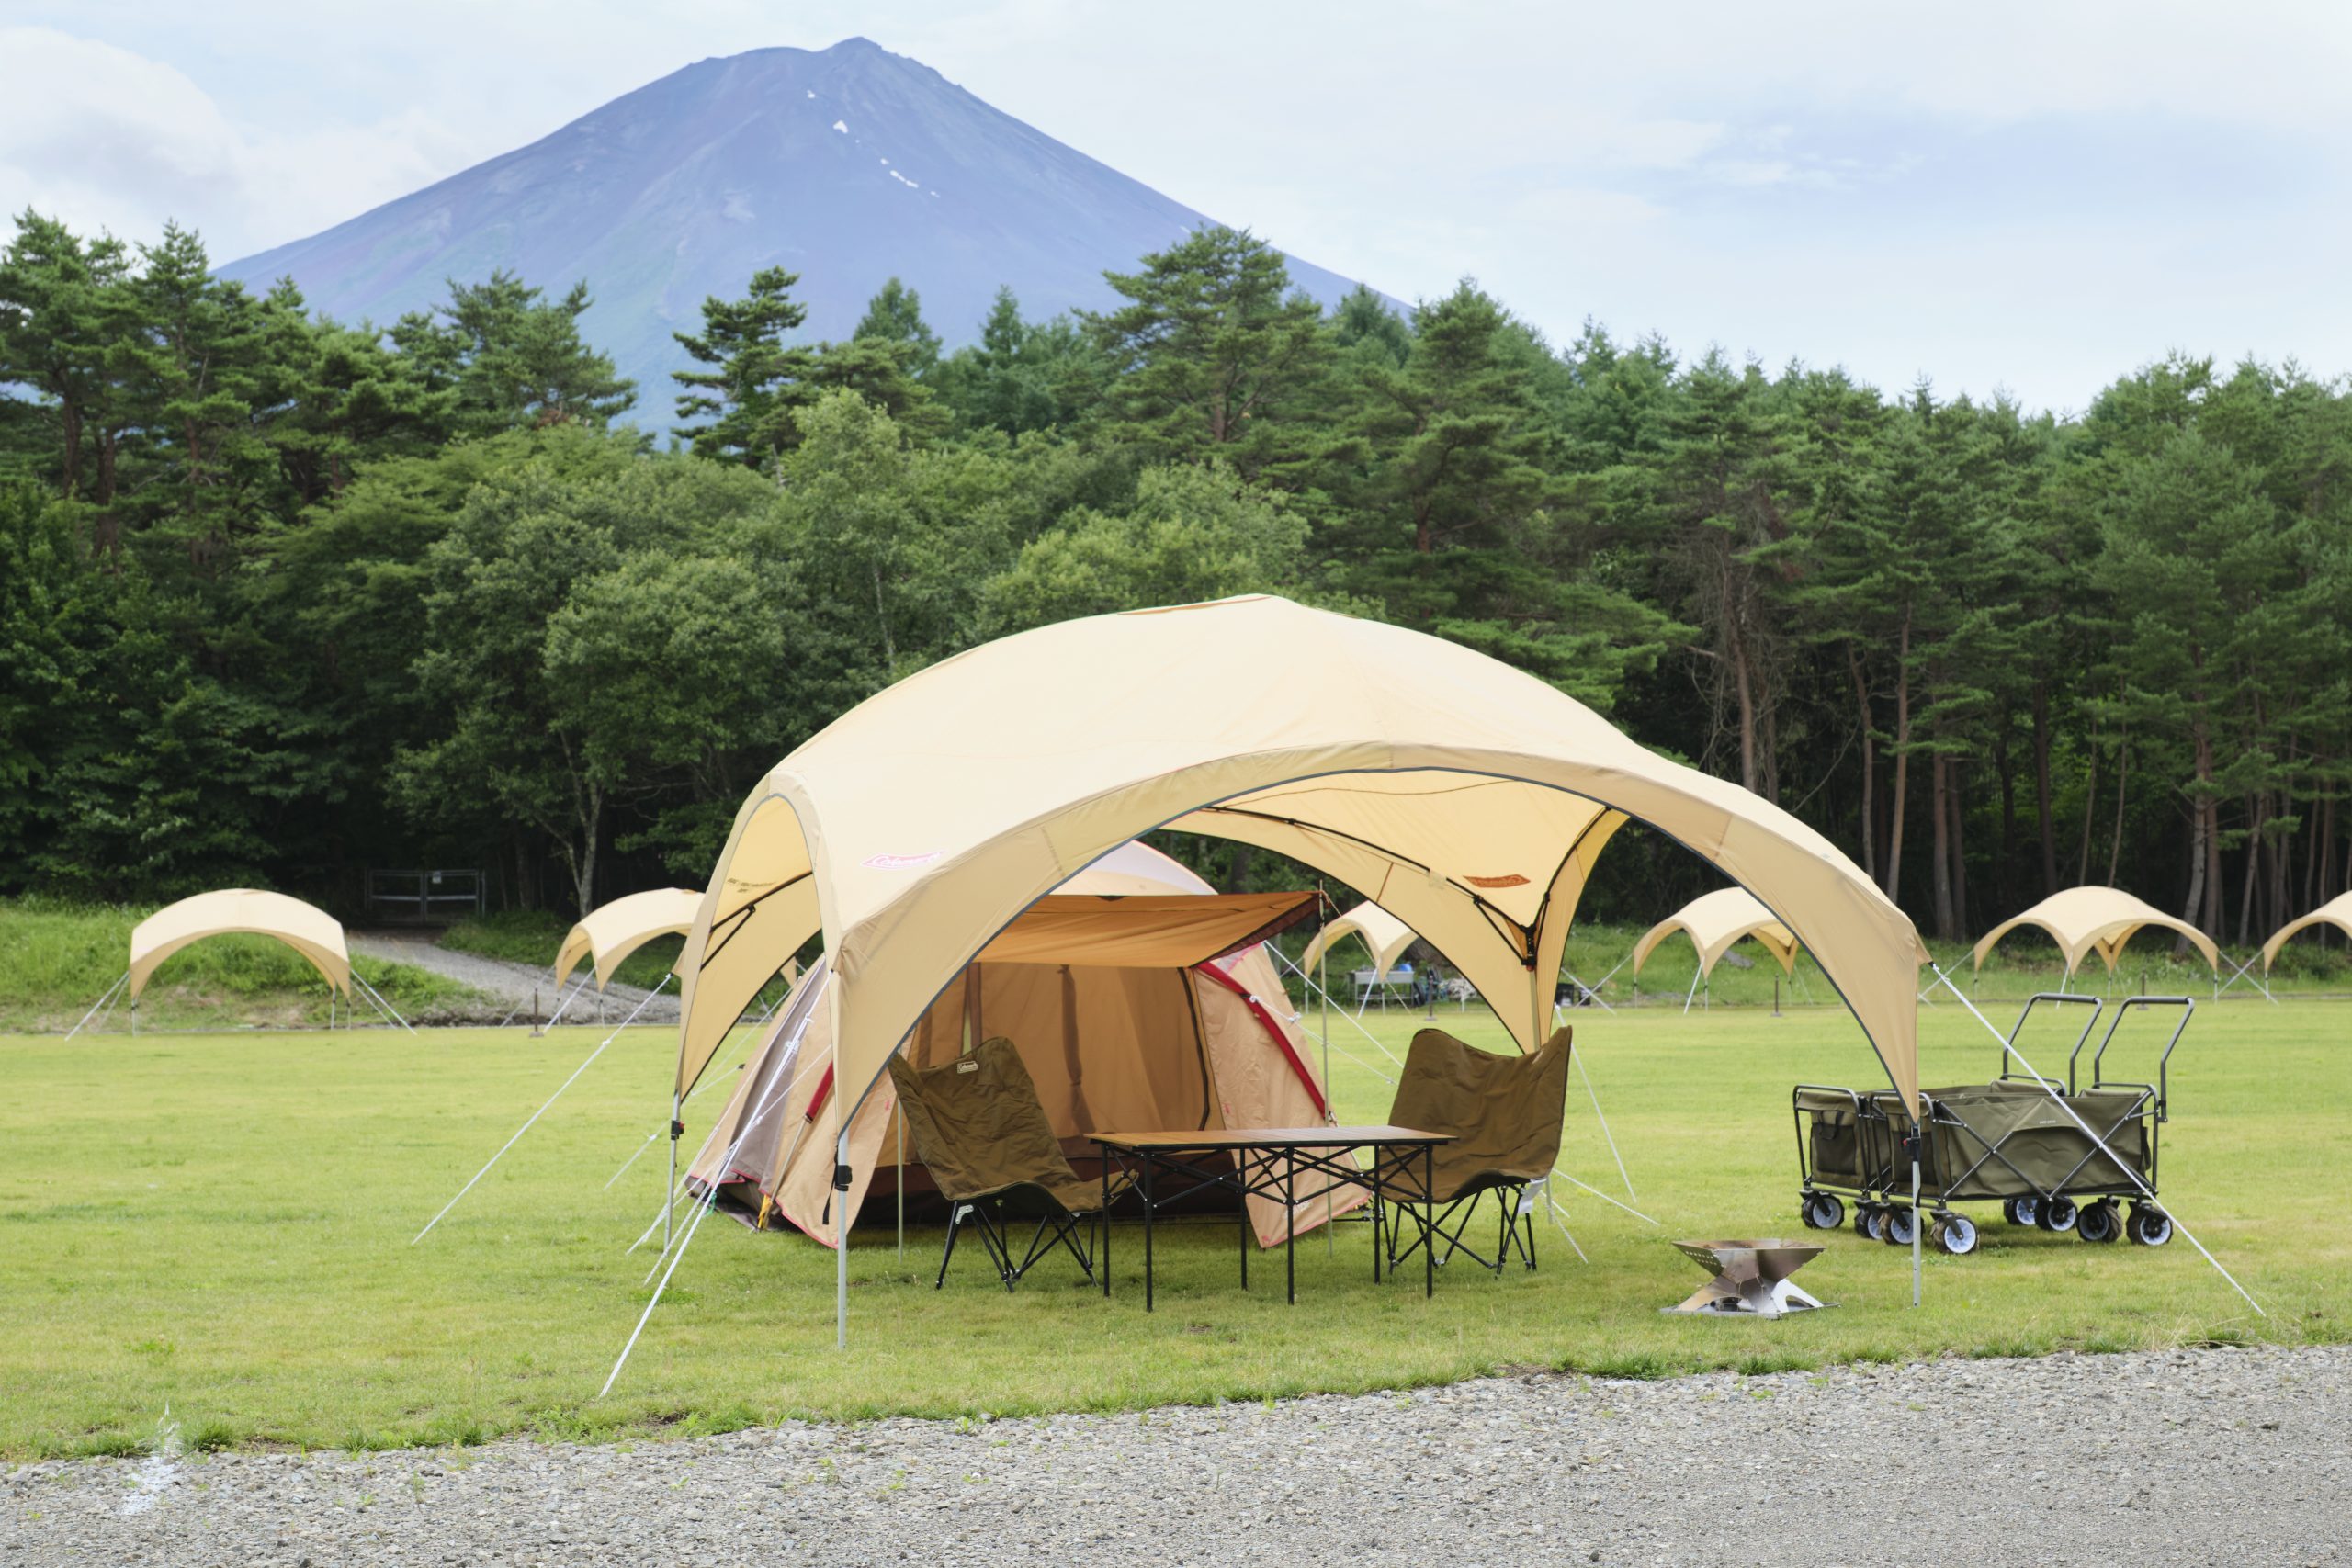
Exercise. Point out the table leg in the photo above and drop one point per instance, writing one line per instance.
(1376, 1218)
(1290, 1224)
(1148, 1164)
(1241, 1186)
(1429, 1220)
(1103, 1261)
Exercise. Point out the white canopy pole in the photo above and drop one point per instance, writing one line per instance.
(2121, 1163)
(535, 1114)
(1693, 993)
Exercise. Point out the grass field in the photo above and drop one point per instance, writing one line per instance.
(219, 1225)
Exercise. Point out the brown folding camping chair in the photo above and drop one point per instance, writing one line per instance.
(979, 1128)
(1504, 1113)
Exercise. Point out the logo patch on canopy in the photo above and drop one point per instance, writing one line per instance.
(1513, 880)
(899, 862)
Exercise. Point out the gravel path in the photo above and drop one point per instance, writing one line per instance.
(2187, 1457)
(511, 984)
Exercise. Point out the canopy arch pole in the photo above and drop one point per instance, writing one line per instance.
(1268, 768)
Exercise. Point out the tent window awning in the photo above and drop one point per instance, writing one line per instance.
(1149, 932)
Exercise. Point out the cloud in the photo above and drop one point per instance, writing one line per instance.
(107, 138)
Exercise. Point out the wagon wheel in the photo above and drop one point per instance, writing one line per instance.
(1899, 1226)
(1823, 1211)
(1954, 1234)
(2099, 1222)
(2020, 1210)
(2150, 1226)
(2056, 1214)
(1868, 1220)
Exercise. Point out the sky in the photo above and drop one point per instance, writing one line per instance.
(2018, 200)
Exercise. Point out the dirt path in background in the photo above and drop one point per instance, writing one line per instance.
(511, 985)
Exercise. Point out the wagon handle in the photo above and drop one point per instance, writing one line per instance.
(2061, 998)
(2162, 1086)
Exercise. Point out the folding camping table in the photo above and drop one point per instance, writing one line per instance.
(1266, 1163)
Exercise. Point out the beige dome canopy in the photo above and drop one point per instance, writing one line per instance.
(1465, 797)
(2337, 911)
(1716, 920)
(2095, 919)
(1383, 935)
(612, 931)
(311, 931)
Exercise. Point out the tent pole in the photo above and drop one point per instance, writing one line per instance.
(841, 1224)
(670, 1208)
(700, 1214)
(898, 1115)
(1919, 1132)
(1692, 993)
(1330, 1118)
(120, 980)
(2058, 1100)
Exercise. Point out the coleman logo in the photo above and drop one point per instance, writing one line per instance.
(1513, 880)
(899, 862)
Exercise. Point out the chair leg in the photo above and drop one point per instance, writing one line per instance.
(955, 1221)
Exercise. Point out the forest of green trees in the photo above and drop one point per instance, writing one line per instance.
(283, 598)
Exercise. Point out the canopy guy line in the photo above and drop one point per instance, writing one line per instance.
(700, 1091)
(381, 1005)
(540, 1112)
(1601, 1117)
(792, 1057)
(2121, 1164)
(2243, 971)
(107, 1001)
(1329, 1006)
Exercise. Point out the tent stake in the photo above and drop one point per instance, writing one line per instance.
(2119, 1163)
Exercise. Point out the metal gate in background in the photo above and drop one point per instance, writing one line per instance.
(425, 898)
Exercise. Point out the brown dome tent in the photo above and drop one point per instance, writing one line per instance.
(1467, 798)
(1151, 1009)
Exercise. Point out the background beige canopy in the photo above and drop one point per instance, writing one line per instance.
(1382, 933)
(614, 931)
(1714, 921)
(2336, 912)
(1465, 797)
(2094, 919)
(312, 932)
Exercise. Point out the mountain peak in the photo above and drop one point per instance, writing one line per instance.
(849, 164)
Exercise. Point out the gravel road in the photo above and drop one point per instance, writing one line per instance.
(511, 984)
(2187, 1457)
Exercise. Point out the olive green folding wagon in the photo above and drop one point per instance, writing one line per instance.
(2057, 1155)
